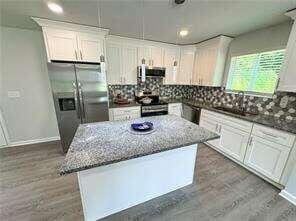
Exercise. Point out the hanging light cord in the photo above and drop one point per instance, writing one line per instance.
(143, 21)
(99, 14)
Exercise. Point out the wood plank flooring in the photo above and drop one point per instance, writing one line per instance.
(31, 190)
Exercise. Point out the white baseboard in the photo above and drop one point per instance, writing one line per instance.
(288, 196)
(26, 142)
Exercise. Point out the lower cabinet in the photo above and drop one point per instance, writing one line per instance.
(266, 157)
(176, 109)
(259, 148)
(233, 134)
(233, 142)
(124, 113)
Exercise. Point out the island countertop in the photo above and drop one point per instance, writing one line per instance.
(108, 142)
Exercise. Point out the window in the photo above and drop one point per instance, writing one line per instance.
(255, 73)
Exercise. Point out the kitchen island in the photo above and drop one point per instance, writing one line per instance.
(118, 168)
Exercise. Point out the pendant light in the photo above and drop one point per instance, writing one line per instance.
(102, 57)
(143, 66)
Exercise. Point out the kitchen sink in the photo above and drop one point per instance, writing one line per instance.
(235, 111)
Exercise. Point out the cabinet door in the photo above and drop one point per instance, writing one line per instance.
(62, 44)
(156, 56)
(211, 126)
(91, 47)
(288, 76)
(186, 66)
(114, 70)
(129, 63)
(170, 56)
(144, 52)
(266, 157)
(233, 142)
(204, 67)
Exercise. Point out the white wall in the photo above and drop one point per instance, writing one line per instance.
(24, 69)
(270, 38)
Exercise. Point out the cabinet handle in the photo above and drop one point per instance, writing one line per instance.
(216, 129)
(220, 128)
(269, 134)
(251, 141)
(76, 55)
(80, 54)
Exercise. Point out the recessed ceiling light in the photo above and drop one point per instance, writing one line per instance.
(55, 7)
(183, 33)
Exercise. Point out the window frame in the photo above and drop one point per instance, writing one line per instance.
(253, 93)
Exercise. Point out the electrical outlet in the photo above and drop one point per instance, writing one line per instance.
(13, 94)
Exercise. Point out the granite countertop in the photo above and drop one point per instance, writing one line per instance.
(266, 120)
(103, 143)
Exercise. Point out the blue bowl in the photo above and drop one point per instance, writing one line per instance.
(145, 126)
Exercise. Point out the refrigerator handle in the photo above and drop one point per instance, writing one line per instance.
(81, 100)
(76, 100)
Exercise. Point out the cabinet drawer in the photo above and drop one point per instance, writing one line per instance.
(126, 110)
(230, 121)
(273, 135)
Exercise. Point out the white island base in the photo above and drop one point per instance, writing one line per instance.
(108, 189)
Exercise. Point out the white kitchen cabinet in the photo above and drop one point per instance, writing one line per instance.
(187, 54)
(122, 63)
(156, 56)
(153, 55)
(259, 148)
(90, 46)
(124, 113)
(233, 134)
(171, 55)
(233, 141)
(114, 70)
(287, 80)
(175, 109)
(72, 42)
(266, 157)
(129, 64)
(62, 44)
(210, 60)
(211, 125)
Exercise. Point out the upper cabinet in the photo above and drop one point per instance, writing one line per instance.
(209, 61)
(187, 54)
(122, 60)
(153, 55)
(90, 46)
(71, 42)
(171, 60)
(287, 80)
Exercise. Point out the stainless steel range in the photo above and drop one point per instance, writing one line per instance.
(151, 105)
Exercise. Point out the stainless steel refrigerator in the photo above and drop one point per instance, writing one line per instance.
(80, 96)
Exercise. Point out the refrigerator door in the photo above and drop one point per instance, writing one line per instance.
(92, 87)
(66, 100)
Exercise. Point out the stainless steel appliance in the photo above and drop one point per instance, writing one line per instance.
(152, 72)
(155, 107)
(80, 96)
(191, 113)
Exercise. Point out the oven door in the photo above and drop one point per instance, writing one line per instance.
(155, 110)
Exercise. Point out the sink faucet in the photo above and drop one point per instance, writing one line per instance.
(241, 101)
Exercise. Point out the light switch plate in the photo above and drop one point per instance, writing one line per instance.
(13, 94)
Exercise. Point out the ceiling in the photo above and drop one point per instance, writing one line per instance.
(162, 19)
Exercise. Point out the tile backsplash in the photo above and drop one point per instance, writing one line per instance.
(281, 104)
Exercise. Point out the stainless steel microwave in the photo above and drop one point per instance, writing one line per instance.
(152, 72)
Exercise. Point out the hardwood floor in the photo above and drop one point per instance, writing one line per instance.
(31, 189)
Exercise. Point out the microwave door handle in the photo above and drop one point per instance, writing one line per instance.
(76, 100)
(81, 100)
